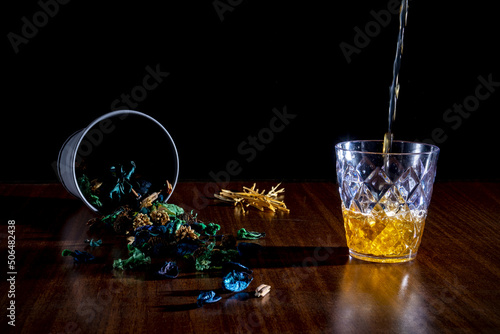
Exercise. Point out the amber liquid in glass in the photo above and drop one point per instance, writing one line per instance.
(383, 237)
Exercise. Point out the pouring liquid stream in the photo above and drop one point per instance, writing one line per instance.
(394, 90)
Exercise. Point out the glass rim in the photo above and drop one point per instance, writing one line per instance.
(433, 148)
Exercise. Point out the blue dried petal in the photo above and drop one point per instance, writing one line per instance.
(186, 248)
(79, 256)
(207, 297)
(144, 233)
(170, 227)
(143, 186)
(83, 257)
(95, 243)
(236, 281)
(141, 237)
(169, 270)
(123, 185)
(161, 229)
(235, 266)
(144, 210)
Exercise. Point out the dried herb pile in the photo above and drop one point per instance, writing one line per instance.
(161, 230)
(119, 186)
(178, 239)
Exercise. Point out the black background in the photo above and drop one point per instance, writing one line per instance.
(226, 76)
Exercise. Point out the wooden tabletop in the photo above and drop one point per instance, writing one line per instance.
(453, 286)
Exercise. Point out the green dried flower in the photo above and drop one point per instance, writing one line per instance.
(136, 259)
(86, 189)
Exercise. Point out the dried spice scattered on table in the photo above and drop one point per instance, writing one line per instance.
(185, 231)
(120, 186)
(159, 215)
(169, 270)
(262, 290)
(141, 219)
(89, 191)
(148, 201)
(123, 185)
(250, 235)
(79, 256)
(172, 234)
(211, 229)
(93, 243)
(252, 197)
(203, 256)
(158, 230)
(123, 221)
(235, 266)
(236, 281)
(136, 259)
(207, 297)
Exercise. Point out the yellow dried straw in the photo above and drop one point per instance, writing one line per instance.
(252, 197)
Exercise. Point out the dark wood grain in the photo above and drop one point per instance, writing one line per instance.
(452, 286)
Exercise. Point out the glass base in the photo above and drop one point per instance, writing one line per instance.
(383, 259)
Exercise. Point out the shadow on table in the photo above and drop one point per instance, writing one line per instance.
(293, 256)
(267, 257)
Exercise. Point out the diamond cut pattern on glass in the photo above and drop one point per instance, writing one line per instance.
(378, 182)
(407, 183)
(392, 201)
(364, 200)
(365, 168)
(365, 187)
(393, 168)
